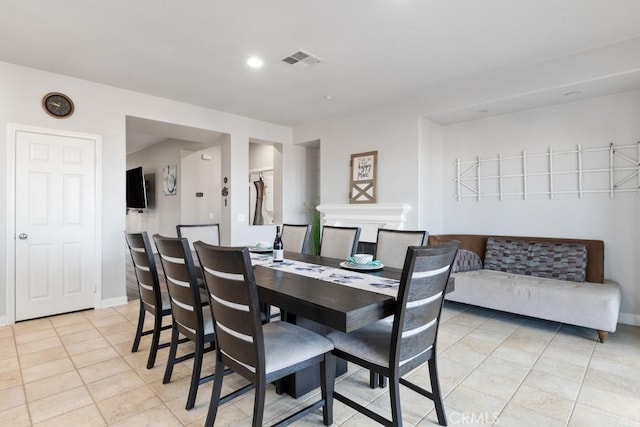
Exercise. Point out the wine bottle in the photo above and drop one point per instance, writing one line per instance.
(278, 247)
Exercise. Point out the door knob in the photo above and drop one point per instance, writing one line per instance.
(23, 236)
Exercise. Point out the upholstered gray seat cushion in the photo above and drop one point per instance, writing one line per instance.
(370, 343)
(592, 305)
(207, 320)
(204, 296)
(286, 344)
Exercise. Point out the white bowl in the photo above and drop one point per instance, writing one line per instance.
(263, 245)
(363, 258)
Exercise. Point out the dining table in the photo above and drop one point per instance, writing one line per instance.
(322, 306)
(334, 305)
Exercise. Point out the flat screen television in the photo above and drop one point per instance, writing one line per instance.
(136, 189)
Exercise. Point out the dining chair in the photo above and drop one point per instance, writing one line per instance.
(295, 237)
(191, 317)
(394, 349)
(391, 250)
(153, 298)
(391, 245)
(209, 233)
(339, 242)
(261, 353)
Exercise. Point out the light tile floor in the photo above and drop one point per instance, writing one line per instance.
(496, 369)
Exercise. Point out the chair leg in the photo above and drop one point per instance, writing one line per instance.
(373, 379)
(136, 340)
(382, 381)
(327, 384)
(435, 391)
(215, 394)
(377, 380)
(394, 394)
(195, 375)
(155, 340)
(258, 403)
(172, 355)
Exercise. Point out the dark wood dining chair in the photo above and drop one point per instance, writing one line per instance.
(391, 245)
(295, 237)
(394, 349)
(261, 353)
(208, 233)
(391, 250)
(190, 317)
(339, 242)
(153, 298)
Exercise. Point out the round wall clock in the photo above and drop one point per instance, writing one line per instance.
(57, 104)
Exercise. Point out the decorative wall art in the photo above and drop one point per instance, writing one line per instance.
(611, 169)
(170, 180)
(362, 188)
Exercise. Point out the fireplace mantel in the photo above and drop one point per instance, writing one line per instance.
(369, 217)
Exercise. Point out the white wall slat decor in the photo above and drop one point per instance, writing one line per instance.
(613, 169)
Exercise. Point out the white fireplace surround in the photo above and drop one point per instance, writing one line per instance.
(369, 217)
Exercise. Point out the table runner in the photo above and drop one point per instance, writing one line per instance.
(340, 276)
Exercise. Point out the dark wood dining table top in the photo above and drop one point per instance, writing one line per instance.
(338, 306)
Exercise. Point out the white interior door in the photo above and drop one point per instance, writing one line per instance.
(54, 224)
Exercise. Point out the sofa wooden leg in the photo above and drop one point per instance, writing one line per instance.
(602, 336)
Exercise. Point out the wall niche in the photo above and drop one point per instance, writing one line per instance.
(265, 183)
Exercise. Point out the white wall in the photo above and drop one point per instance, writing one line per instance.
(102, 110)
(393, 131)
(591, 123)
(201, 176)
(431, 177)
(260, 156)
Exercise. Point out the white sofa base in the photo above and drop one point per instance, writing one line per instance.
(591, 305)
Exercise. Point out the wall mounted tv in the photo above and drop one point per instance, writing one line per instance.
(136, 189)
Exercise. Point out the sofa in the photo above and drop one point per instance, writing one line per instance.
(555, 279)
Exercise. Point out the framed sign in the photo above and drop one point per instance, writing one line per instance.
(362, 188)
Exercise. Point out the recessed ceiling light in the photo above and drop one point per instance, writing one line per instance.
(573, 93)
(255, 62)
(328, 97)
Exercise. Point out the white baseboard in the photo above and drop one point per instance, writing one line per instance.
(113, 302)
(629, 319)
(3, 320)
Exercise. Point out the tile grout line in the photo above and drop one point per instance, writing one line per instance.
(84, 384)
(24, 390)
(135, 372)
(584, 375)
(529, 370)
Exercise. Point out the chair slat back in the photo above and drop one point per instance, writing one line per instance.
(391, 245)
(421, 294)
(339, 242)
(234, 302)
(144, 265)
(208, 233)
(295, 238)
(182, 283)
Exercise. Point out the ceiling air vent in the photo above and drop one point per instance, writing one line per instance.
(301, 59)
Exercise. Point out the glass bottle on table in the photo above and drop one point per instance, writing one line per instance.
(278, 247)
